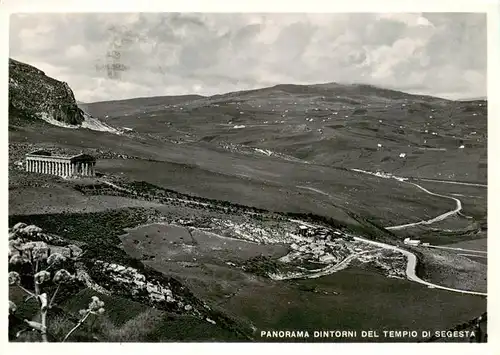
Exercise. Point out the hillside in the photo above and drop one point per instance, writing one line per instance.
(37, 96)
(298, 195)
(327, 124)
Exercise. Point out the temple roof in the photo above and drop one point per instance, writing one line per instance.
(77, 157)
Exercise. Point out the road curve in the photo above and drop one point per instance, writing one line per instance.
(441, 217)
(445, 215)
(411, 267)
(412, 259)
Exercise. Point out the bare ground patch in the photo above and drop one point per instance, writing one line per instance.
(183, 244)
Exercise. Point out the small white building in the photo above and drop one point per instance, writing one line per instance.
(413, 242)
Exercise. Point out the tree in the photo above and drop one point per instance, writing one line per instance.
(36, 269)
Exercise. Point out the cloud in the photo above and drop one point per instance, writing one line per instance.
(111, 56)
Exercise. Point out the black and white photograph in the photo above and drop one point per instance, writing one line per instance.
(247, 177)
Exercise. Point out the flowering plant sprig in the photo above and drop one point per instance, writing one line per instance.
(24, 248)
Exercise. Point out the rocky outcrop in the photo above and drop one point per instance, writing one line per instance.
(34, 95)
(109, 278)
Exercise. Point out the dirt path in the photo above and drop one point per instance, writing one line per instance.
(411, 267)
(412, 259)
(441, 217)
(454, 182)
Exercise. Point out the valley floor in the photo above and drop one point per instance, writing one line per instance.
(228, 258)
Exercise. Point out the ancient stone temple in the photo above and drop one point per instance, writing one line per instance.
(42, 161)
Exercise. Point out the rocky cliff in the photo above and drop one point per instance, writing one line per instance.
(34, 95)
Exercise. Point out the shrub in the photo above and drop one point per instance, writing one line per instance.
(37, 270)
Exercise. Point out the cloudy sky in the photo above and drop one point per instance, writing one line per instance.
(116, 56)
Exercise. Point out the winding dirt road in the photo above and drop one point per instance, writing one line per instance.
(412, 259)
(411, 267)
(441, 217)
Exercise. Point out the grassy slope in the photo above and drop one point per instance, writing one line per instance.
(265, 182)
(396, 120)
(204, 169)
